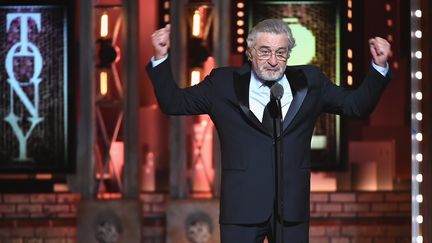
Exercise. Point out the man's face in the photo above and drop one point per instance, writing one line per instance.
(269, 56)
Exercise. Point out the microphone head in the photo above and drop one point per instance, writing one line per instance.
(277, 91)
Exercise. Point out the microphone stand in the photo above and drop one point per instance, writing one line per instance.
(277, 141)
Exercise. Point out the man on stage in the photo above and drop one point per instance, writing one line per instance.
(235, 99)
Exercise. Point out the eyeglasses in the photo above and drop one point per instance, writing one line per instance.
(264, 54)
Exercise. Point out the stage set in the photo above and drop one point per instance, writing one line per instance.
(86, 154)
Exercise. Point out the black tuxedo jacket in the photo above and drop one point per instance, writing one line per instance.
(248, 180)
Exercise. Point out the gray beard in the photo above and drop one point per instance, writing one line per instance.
(265, 77)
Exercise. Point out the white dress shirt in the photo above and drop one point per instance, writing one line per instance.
(157, 62)
(259, 96)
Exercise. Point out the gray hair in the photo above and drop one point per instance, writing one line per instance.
(275, 26)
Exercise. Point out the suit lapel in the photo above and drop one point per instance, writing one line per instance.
(298, 84)
(241, 87)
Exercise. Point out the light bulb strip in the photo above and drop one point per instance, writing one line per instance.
(417, 137)
(240, 26)
(166, 11)
(350, 68)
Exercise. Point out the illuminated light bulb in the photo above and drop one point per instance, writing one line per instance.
(419, 157)
(166, 5)
(419, 178)
(419, 95)
(419, 116)
(388, 7)
(349, 53)
(419, 198)
(419, 239)
(418, 13)
(240, 14)
(349, 13)
(350, 67)
(240, 49)
(195, 77)
(104, 25)
(419, 137)
(419, 219)
(350, 80)
(240, 5)
(389, 37)
(240, 40)
(419, 75)
(418, 34)
(349, 3)
(240, 22)
(103, 80)
(166, 18)
(240, 31)
(196, 23)
(389, 22)
(349, 27)
(418, 54)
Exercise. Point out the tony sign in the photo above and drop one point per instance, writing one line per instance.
(23, 48)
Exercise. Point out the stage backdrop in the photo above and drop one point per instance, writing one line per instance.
(35, 93)
(315, 26)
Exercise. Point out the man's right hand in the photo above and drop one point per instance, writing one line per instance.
(161, 41)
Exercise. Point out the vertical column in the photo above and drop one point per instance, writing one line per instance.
(130, 126)
(111, 220)
(221, 38)
(84, 180)
(178, 165)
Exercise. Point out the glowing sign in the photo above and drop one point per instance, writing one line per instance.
(35, 92)
(23, 48)
(305, 49)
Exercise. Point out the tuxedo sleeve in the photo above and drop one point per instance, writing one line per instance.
(355, 103)
(173, 100)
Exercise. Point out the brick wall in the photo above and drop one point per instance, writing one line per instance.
(47, 218)
(351, 217)
(154, 208)
(360, 204)
(363, 217)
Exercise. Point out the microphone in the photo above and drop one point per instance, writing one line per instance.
(276, 91)
(275, 108)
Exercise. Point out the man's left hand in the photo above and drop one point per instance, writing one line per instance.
(380, 50)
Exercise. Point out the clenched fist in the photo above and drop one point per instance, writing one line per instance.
(380, 50)
(161, 41)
